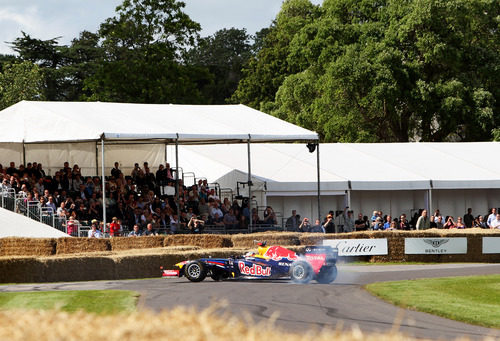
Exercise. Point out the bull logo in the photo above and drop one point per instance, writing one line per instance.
(435, 243)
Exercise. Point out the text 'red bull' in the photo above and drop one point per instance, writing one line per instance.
(255, 270)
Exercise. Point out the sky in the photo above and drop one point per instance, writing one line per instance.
(46, 19)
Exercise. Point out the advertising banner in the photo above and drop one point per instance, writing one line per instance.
(491, 244)
(359, 247)
(432, 246)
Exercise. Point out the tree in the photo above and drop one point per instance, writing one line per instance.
(143, 45)
(223, 54)
(384, 71)
(22, 81)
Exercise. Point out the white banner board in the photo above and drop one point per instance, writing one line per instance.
(491, 244)
(431, 246)
(359, 247)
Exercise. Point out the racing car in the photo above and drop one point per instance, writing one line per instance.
(270, 262)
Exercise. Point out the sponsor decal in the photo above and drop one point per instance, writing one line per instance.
(316, 261)
(277, 253)
(284, 264)
(255, 270)
(170, 273)
(491, 244)
(433, 246)
(359, 247)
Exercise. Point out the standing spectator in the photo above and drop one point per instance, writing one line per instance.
(495, 223)
(94, 232)
(423, 222)
(450, 223)
(348, 220)
(439, 222)
(387, 223)
(72, 226)
(292, 223)
(196, 225)
(492, 216)
(329, 225)
(115, 227)
(437, 214)
(305, 226)
(479, 222)
(269, 217)
(149, 231)
(135, 232)
(115, 172)
(361, 224)
(317, 228)
(230, 220)
(468, 218)
(403, 223)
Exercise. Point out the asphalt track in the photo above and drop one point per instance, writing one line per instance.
(300, 308)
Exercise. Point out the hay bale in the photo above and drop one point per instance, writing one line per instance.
(128, 243)
(20, 270)
(16, 246)
(71, 245)
(272, 238)
(63, 269)
(208, 241)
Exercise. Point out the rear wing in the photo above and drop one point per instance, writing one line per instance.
(329, 251)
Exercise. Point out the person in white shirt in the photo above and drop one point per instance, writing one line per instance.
(94, 232)
(495, 223)
(492, 216)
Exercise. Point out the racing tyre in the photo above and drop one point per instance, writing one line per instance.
(327, 274)
(195, 271)
(301, 272)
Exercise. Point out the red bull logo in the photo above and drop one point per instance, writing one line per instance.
(277, 253)
(255, 270)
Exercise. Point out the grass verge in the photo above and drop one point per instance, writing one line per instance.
(471, 299)
(92, 301)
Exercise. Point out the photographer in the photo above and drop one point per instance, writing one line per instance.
(329, 224)
(305, 226)
(196, 225)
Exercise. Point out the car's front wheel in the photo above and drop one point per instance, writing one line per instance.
(301, 272)
(195, 271)
(327, 274)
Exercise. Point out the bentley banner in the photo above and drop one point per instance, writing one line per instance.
(491, 244)
(359, 247)
(432, 246)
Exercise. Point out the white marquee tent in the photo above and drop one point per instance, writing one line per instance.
(393, 177)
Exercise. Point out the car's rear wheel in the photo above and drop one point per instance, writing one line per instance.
(301, 272)
(327, 274)
(195, 271)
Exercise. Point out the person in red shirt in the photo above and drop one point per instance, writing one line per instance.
(115, 227)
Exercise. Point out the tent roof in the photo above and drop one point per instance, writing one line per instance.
(358, 166)
(39, 121)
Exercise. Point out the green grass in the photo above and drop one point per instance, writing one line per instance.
(94, 301)
(472, 299)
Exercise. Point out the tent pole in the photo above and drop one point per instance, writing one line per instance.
(177, 171)
(96, 158)
(24, 154)
(103, 182)
(250, 223)
(319, 186)
(166, 145)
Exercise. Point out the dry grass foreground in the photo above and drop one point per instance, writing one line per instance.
(177, 324)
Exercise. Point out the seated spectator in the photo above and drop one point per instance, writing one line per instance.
(150, 231)
(135, 232)
(460, 224)
(432, 224)
(387, 223)
(196, 225)
(217, 220)
(317, 228)
(450, 223)
(230, 220)
(377, 224)
(115, 227)
(305, 226)
(174, 223)
(439, 222)
(72, 226)
(392, 226)
(269, 217)
(94, 232)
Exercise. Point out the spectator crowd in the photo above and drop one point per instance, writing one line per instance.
(138, 201)
(148, 203)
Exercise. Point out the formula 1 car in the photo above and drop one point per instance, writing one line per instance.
(271, 262)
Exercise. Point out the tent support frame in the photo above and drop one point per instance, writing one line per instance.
(250, 223)
(103, 189)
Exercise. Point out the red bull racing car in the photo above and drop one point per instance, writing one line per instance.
(271, 262)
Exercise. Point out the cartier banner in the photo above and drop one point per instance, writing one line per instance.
(431, 246)
(359, 247)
